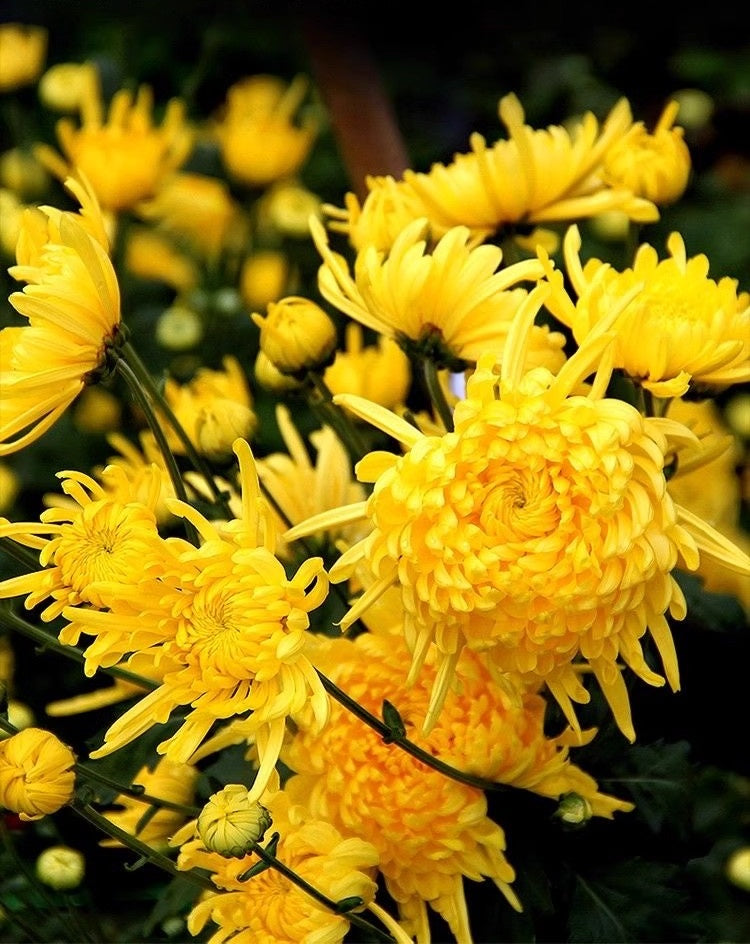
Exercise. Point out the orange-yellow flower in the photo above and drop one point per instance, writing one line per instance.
(539, 530)
(125, 156)
(72, 303)
(22, 53)
(36, 773)
(380, 371)
(679, 328)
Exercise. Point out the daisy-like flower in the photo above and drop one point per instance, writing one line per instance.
(655, 165)
(167, 781)
(228, 616)
(539, 530)
(124, 155)
(448, 303)
(300, 488)
(36, 773)
(260, 138)
(431, 832)
(72, 303)
(269, 908)
(380, 371)
(214, 409)
(680, 329)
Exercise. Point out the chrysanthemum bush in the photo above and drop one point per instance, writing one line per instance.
(363, 530)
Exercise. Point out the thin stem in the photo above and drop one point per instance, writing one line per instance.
(12, 621)
(313, 892)
(88, 773)
(390, 736)
(129, 353)
(437, 395)
(340, 421)
(22, 554)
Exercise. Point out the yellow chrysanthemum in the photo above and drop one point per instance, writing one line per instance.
(228, 615)
(22, 53)
(197, 208)
(126, 156)
(265, 277)
(167, 781)
(540, 529)
(258, 134)
(72, 303)
(214, 408)
(36, 773)
(652, 165)
(450, 303)
(380, 371)
(152, 255)
(65, 85)
(269, 909)
(296, 335)
(680, 327)
(90, 539)
(300, 489)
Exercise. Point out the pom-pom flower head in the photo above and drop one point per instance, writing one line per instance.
(681, 327)
(36, 773)
(296, 335)
(538, 530)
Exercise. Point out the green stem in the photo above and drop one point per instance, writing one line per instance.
(313, 892)
(437, 395)
(22, 554)
(87, 812)
(88, 773)
(335, 417)
(390, 736)
(10, 620)
(129, 353)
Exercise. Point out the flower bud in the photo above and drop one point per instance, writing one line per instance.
(270, 378)
(264, 278)
(737, 868)
(23, 50)
(229, 825)
(217, 426)
(179, 328)
(19, 714)
(296, 335)
(574, 809)
(65, 85)
(61, 867)
(36, 773)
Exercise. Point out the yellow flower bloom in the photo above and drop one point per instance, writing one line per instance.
(300, 489)
(229, 824)
(195, 207)
(151, 255)
(540, 530)
(231, 619)
(36, 773)
(264, 278)
(652, 165)
(380, 372)
(451, 303)
(72, 302)
(214, 409)
(258, 135)
(269, 908)
(680, 327)
(126, 157)
(66, 85)
(22, 53)
(167, 781)
(92, 539)
(296, 334)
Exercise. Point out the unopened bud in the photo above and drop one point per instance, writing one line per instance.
(179, 328)
(574, 809)
(61, 867)
(229, 824)
(296, 335)
(219, 425)
(737, 868)
(270, 378)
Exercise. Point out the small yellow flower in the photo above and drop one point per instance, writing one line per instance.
(449, 303)
(152, 255)
(60, 867)
(214, 409)
(737, 868)
(65, 86)
(259, 138)
(679, 327)
(72, 303)
(654, 165)
(179, 328)
(167, 781)
(22, 53)
(230, 824)
(381, 371)
(125, 157)
(196, 208)
(285, 209)
(264, 278)
(36, 773)
(296, 335)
